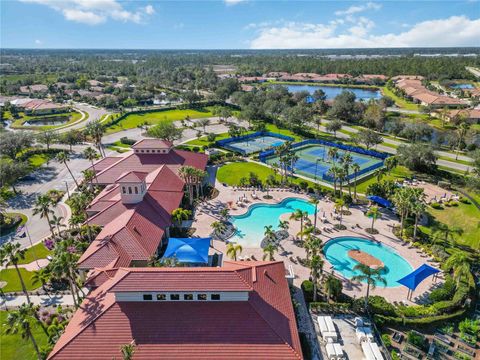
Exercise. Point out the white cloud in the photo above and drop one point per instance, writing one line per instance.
(233, 2)
(453, 31)
(358, 8)
(38, 42)
(94, 12)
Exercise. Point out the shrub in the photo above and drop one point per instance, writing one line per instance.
(307, 288)
(348, 199)
(444, 292)
(465, 200)
(386, 340)
(195, 149)
(125, 140)
(303, 185)
(395, 355)
(416, 339)
(378, 305)
(436, 206)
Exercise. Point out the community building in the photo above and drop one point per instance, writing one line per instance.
(134, 209)
(241, 310)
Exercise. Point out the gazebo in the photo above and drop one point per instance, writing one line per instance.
(188, 250)
(412, 280)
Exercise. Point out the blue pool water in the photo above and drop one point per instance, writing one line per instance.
(336, 252)
(332, 91)
(251, 225)
(462, 86)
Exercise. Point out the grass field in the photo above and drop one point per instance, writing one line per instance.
(398, 173)
(133, 120)
(13, 347)
(39, 250)
(13, 282)
(73, 116)
(399, 101)
(464, 216)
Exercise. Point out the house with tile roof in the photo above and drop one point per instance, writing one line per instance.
(241, 310)
(134, 209)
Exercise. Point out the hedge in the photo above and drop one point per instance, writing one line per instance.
(307, 288)
(425, 321)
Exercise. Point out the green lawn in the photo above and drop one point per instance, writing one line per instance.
(13, 347)
(24, 220)
(399, 101)
(464, 216)
(73, 116)
(231, 173)
(13, 282)
(133, 120)
(39, 250)
(398, 173)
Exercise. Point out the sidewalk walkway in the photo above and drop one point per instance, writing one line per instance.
(11, 301)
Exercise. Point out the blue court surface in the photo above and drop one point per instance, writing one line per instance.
(313, 160)
(256, 144)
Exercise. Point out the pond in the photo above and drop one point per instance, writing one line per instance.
(47, 121)
(462, 86)
(332, 91)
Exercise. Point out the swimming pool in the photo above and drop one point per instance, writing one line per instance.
(336, 252)
(251, 225)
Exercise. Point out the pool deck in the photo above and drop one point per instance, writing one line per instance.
(208, 212)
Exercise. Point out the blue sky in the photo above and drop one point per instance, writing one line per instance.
(234, 24)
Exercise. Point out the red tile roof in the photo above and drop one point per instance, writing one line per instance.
(132, 177)
(105, 163)
(152, 144)
(151, 162)
(263, 327)
(132, 231)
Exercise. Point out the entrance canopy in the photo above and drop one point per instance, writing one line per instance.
(412, 280)
(381, 201)
(188, 250)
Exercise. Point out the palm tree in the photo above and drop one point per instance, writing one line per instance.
(42, 276)
(269, 233)
(390, 163)
(461, 132)
(63, 266)
(316, 266)
(333, 153)
(10, 253)
(269, 251)
(339, 204)
(57, 221)
(370, 276)
(90, 154)
(315, 202)
(334, 172)
(402, 199)
(179, 214)
(96, 130)
(313, 245)
(447, 233)
(374, 213)
(356, 168)
(233, 250)
(88, 176)
(460, 263)
(218, 227)
(307, 231)
(299, 215)
(42, 208)
(204, 123)
(64, 158)
(347, 160)
(284, 225)
(418, 208)
(127, 351)
(332, 286)
(20, 321)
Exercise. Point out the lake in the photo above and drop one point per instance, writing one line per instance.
(332, 91)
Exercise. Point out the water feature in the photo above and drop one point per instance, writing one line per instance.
(336, 252)
(332, 91)
(251, 225)
(462, 86)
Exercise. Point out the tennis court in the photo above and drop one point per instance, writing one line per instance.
(314, 162)
(255, 144)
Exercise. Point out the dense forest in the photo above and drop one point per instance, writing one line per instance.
(179, 67)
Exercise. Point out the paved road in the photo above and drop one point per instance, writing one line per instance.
(403, 111)
(54, 175)
(94, 113)
(391, 150)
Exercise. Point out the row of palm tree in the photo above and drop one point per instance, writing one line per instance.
(193, 179)
(407, 201)
(341, 171)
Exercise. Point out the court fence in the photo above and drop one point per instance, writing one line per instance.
(225, 143)
(268, 153)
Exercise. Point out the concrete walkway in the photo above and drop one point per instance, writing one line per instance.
(11, 301)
